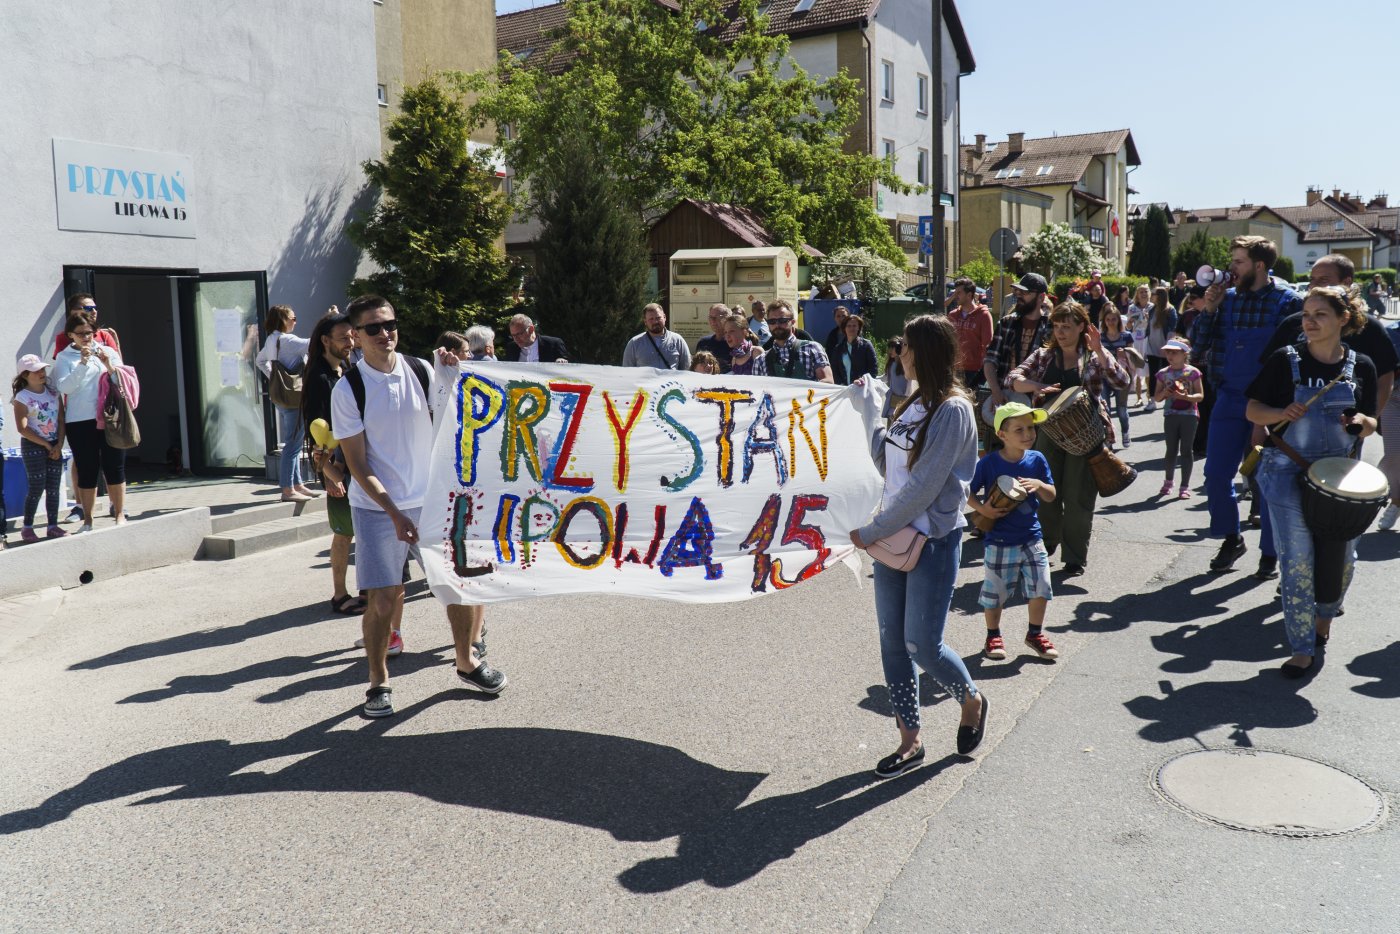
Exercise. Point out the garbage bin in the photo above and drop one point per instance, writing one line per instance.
(17, 484)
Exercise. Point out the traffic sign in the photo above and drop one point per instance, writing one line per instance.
(926, 225)
(1004, 244)
(926, 245)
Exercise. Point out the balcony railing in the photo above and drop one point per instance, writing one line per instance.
(1094, 235)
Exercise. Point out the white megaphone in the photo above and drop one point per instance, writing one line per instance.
(1208, 276)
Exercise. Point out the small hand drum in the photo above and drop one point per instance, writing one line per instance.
(1005, 492)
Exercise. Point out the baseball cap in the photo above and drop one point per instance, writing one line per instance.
(1015, 410)
(1032, 282)
(1177, 345)
(30, 363)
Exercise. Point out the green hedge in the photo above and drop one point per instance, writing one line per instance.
(1110, 284)
(1363, 276)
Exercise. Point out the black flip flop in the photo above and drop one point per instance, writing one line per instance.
(348, 605)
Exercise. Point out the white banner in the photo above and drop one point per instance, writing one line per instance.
(556, 479)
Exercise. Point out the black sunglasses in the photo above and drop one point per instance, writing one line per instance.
(373, 329)
(779, 320)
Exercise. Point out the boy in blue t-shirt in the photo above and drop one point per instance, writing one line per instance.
(1015, 554)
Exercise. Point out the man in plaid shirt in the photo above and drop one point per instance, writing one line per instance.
(1233, 336)
(789, 356)
(1018, 335)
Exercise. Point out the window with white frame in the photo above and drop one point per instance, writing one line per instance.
(887, 148)
(383, 92)
(923, 167)
(1312, 225)
(1045, 170)
(1340, 225)
(887, 81)
(922, 95)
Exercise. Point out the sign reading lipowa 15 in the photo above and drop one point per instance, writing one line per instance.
(114, 189)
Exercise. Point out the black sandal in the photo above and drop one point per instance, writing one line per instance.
(348, 605)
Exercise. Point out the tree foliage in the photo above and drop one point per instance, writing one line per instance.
(1200, 249)
(1152, 246)
(982, 269)
(882, 278)
(697, 102)
(1058, 251)
(1283, 268)
(433, 231)
(592, 258)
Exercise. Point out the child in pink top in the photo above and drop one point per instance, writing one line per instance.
(1179, 386)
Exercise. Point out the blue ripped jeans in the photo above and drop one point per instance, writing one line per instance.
(291, 433)
(912, 610)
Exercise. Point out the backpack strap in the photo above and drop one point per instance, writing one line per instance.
(357, 383)
(1293, 362)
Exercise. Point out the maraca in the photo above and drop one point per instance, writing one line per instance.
(321, 434)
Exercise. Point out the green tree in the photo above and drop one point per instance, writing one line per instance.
(882, 278)
(433, 231)
(1200, 249)
(591, 265)
(1152, 245)
(982, 269)
(661, 90)
(1283, 268)
(1058, 251)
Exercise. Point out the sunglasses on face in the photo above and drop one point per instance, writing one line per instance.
(89, 308)
(780, 321)
(373, 329)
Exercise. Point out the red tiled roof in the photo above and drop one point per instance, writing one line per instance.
(1326, 216)
(1067, 156)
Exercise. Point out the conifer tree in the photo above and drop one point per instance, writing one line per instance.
(591, 264)
(434, 229)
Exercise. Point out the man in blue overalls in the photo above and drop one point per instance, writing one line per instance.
(1244, 320)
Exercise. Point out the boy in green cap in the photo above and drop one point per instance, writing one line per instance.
(1015, 556)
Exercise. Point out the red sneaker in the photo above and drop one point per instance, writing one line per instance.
(995, 648)
(1040, 645)
(395, 644)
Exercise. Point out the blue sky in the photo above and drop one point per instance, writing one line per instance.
(1228, 101)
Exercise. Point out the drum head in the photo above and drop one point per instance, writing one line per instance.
(989, 410)
(1348, 479)
(1064, 401)
(1009, 488)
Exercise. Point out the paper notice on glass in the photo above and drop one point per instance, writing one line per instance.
(231, 371)
(228, 331)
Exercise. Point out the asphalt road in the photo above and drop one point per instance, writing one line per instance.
(184, 753)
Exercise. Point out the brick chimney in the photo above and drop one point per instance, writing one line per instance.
(1016, 142)
(1379, 201)
(980, 147)
(1336, 194)
(1314, 195)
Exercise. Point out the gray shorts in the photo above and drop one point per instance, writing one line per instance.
(379, 555)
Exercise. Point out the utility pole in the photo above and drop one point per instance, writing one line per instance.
(938, 262)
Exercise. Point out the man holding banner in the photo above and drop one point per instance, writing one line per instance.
(381, 416)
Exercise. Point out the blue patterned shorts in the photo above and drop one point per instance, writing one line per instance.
(1009, 568)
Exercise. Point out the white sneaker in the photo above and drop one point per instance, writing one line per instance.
(1388, 518)
(1150, 407)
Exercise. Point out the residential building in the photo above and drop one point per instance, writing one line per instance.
(187, 204)
(1320, 228)
(1085, 175)
(886, 46)
(1375, 215)
(1245, 220)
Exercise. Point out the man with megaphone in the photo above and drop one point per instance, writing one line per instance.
(1232, 342)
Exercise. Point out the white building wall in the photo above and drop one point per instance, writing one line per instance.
(1305, 254)
(902, 33)
(815, 54)
(274, 103)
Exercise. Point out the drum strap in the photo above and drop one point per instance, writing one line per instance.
(1291, 451)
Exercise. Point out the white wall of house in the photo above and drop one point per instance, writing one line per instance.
(274, 107)
(816, 55)
(901, 34)
(1305, 254)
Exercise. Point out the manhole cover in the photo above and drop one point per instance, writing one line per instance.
(1269, 792)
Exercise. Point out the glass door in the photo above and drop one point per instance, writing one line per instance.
(230, 425)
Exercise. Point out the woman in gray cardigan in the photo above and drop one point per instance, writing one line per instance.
(927, 455)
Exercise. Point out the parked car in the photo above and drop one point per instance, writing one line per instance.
(921, 291)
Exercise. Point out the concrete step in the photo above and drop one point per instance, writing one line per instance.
(256, 515)
(264, 536)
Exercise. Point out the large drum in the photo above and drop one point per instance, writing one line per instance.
(1074, 422)
(1006, 492)
(1340, 498)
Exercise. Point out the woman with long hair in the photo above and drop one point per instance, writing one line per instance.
(1073, 356)
(1284, 391)
(1117, 340)
(1161, 325)
(289, 350)
(927, 455)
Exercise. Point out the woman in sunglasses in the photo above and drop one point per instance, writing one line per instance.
(289, 350)
(77, 373)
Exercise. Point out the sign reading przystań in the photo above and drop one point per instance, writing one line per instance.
(560, 479)
(113, 189)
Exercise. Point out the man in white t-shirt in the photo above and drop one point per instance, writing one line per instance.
(387, 436)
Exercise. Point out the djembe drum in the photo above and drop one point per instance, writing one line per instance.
(1340, 497)
(1005, 492)
(1075, 423)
